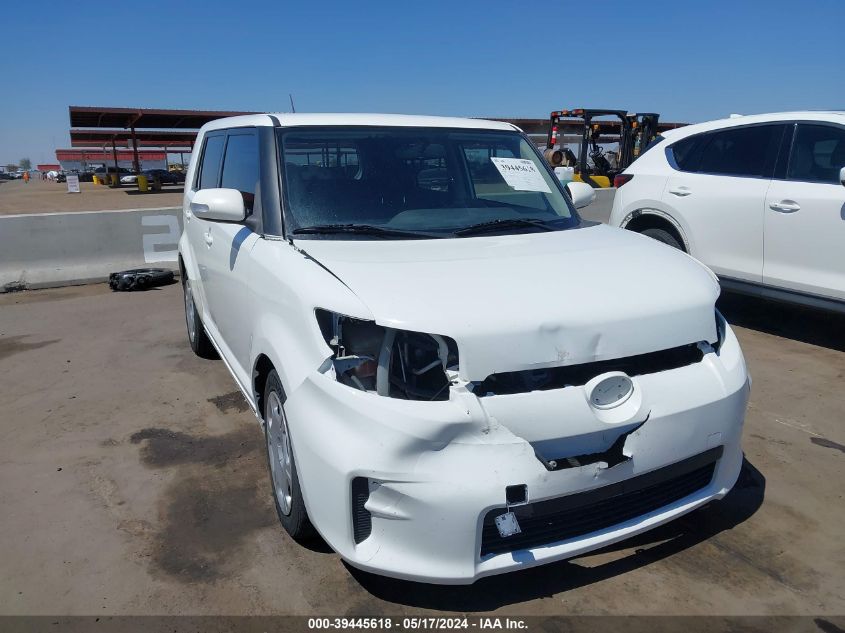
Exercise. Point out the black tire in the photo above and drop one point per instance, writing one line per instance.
(200, 343)
(295, 520)
(664, 236)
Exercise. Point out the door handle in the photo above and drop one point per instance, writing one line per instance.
(209, 239)
(680, 191)
(785, 206)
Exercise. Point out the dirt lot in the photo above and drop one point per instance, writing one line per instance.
(132, 481)
(41, 196)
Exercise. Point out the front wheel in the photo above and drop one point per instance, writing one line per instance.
(284, 479)
(200, 343)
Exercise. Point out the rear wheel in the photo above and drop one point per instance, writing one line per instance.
(284, 479)
(662, 235)
(200, 343)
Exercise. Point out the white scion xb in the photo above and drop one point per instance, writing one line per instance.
(456, 374)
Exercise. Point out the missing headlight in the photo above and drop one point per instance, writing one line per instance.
(721, 327)
(395, 363)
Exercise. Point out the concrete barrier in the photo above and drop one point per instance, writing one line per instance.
(44, 250)
(59, 249)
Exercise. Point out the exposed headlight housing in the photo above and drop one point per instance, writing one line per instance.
(721, 327)
(390, 362)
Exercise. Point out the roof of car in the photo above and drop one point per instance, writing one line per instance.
(355, 119)
(736, 119)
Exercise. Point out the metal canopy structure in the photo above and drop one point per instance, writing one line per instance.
(144, 118)
(99, 138)
(132, 119)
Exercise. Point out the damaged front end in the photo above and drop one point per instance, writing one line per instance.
(410, 470)
(572, 416)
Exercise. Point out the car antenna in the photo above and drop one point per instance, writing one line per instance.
(292, 108)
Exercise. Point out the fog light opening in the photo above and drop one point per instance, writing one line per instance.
(362, 520)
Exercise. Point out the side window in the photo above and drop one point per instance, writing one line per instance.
(739, 151)
(212, 154)
(817, 154)
(240, 165)
(685, 153)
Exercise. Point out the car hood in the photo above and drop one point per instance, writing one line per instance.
(516, 302)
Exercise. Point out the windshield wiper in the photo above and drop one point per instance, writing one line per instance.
(504, 223)
(362, 229)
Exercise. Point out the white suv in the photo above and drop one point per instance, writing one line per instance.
(457, 376)
(759, 199)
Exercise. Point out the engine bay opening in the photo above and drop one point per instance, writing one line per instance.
(394, 363)
(614, 455)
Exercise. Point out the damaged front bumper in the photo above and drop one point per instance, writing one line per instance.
(412, 489)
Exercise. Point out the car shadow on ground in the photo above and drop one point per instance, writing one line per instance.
(814, 327)
(547, 580)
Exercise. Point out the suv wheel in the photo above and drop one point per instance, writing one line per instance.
(283, 476)
(662, 235)
(200, 343)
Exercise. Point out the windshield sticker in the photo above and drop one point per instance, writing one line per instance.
(521, 174)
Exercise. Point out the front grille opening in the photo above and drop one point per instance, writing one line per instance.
(577, 375)
(583, 513)
(362, 520)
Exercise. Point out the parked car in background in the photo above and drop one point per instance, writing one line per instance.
(106, 173)
(456, 375)
(164, 176)
(759, 199)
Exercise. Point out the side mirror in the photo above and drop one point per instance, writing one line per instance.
(581, 193)
(226, 205)
(842, 176)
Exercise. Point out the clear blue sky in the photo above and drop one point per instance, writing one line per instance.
(690, 61)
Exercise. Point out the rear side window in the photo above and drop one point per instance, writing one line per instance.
(240, 165)
(210, 166)
(682, 152)
(741, 151)
(818, 154)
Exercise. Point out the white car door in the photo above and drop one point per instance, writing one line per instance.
(228, 251)
(199, 229)
(805, 216)
(717, 192)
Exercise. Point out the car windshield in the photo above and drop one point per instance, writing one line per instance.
(395, 183)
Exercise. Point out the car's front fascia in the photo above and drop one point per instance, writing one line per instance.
(432, 471)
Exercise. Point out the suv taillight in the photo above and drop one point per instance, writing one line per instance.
(621, 179)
